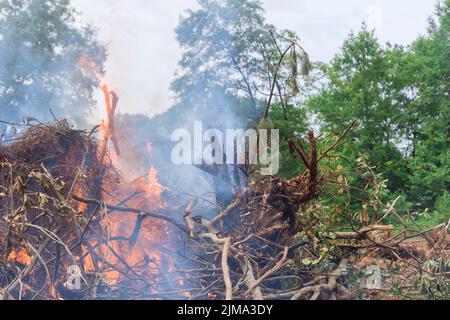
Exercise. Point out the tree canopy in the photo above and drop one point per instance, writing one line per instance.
(230, 49)
(400, 98)
(40, 47)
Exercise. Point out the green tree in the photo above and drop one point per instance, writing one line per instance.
(229, 49)
(294, 127)
(429, 125)
(400, 97)
(218, 39)
(40, 48)
(361, 83)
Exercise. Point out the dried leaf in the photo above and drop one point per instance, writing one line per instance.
(306, 64)
(292, 80)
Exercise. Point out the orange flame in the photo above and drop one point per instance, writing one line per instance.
(19, 256)
(139, 253)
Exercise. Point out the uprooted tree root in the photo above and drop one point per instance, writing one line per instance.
(251, 248)
(53, 204)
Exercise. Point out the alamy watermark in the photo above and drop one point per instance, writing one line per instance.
(373, 281)
(234, 146)
(73, 278)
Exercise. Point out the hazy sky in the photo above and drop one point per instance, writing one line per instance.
(144, 53)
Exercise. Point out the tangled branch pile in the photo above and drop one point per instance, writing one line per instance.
(46, 236)
(267, 245)
(57, 196)
(40, 224)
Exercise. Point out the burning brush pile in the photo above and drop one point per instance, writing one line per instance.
(72, 226)
(54, 244)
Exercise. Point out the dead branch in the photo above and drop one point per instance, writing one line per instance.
(187, 217)
(225, 243)
(275, 268)
(226, 269)
(361, 234)
(144, 213)
(328, 287)
(334, 145)
(250, 280)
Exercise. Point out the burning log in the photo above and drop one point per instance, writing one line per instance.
(109, 133)
(89, 67)
(140, 212)
(111, 116)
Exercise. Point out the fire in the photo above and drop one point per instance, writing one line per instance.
(106, 93)
(153, 188)
(137, 253)
(141, 236)
(81, 207)
(19, 256)
(89, 67)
